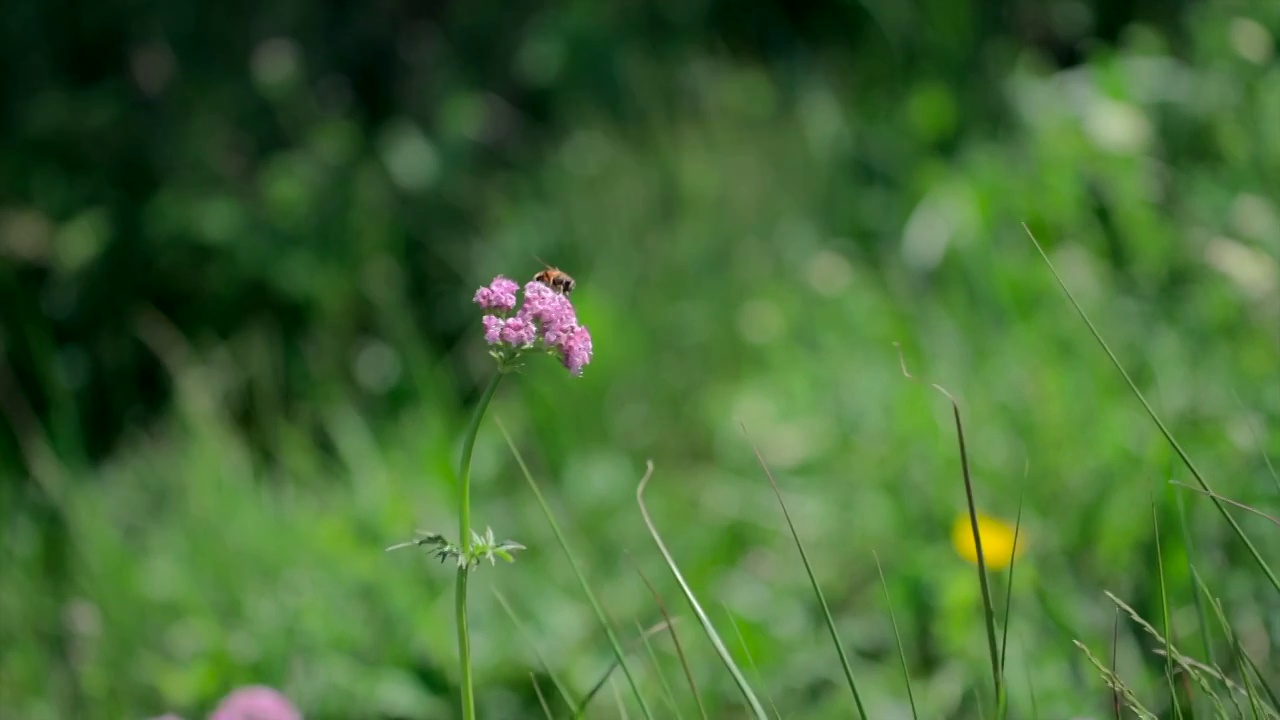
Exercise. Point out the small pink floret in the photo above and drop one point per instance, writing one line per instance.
(519, 332)
(576, 350)
(256, 702)
(499, 295)
(493, 326)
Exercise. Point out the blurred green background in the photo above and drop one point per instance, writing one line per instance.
(238, 244)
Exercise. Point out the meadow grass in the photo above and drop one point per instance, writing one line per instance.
(738, 267)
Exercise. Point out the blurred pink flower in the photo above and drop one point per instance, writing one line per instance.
(255, 702)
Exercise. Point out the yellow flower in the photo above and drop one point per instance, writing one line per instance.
(997, 540)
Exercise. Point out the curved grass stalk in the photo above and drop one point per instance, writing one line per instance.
(618, 652)
(752, 701)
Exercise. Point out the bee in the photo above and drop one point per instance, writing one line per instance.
(555, 278)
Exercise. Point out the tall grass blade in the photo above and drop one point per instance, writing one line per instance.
(1168, 622)
(813, 582)
(897, 637)
(1008, 610)
(1273, 710)
(1168, 436)
(617, 698)
(577, 570)
(989, 613)
(542, 660)
(751, 661)
(1262, 680)
(1115, 660)
(669, 696)
(1244, 663)
(542, 700)
(608, 673)
(752, 701)
(1202, 616)
(675, 641)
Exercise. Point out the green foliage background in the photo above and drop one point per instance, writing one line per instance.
(238, 245)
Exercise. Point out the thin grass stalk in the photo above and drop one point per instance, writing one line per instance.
(989, 610)
(989, 613)
(751, 661)
(1168, 622)
(1115, 660)
(897, 637)
(617, 698)
(657, 670)
(1249, 508)
(542, 660)
(817, 588)
(1240, 655)
(1168, 436)
(542, 701)
(577, 571)
(1202, 614)
(1003, 701)
(608, 673)
(464, 543)
(675, 641)
(743, 687)
(1257, 673)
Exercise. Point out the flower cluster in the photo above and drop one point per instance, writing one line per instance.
(545, 320)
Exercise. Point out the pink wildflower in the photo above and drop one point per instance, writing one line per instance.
(500, 295)
(519, 332)
(255, 702)
(576, 351)
(552, 311)
(546, 319)
(493, 328)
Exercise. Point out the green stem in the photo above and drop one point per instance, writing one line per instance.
(464, 543)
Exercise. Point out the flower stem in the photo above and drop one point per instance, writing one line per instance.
(464, 542)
